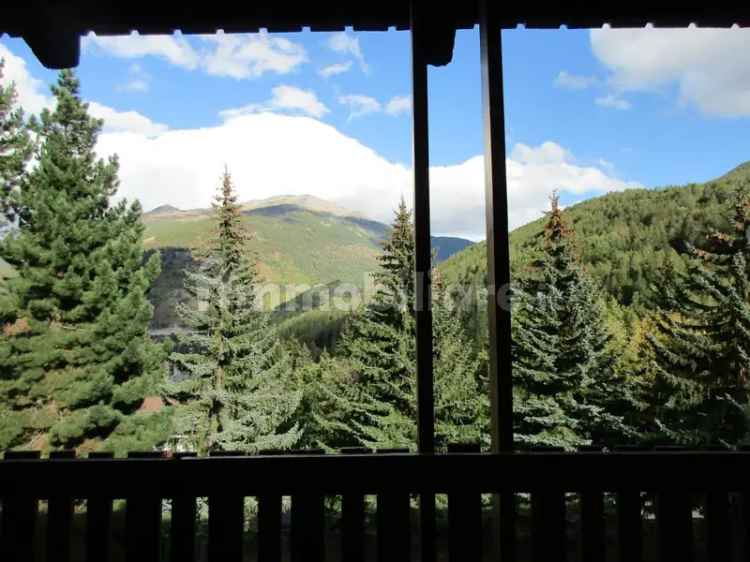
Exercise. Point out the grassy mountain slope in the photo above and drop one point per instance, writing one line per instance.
(294, 245)
(300, 242)
(623, 237)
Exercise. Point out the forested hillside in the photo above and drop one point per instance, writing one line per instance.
(623, 237)
(300, 242)
(82, 367)
(295, 244)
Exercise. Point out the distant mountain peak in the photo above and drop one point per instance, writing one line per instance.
(163, 210)
(305, 201)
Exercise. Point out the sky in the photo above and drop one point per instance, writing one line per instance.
(328, 114)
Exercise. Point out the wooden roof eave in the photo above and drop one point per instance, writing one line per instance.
(53, 28)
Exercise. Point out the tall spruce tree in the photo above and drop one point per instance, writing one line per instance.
(329, 400)
(76, 358)
(701, 347)
(566, 393)
(380, 341)
(15, 151)
(15, 144)
(381, 347)
(238, 393)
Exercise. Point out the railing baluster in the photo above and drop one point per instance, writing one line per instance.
(226, 514)
(394, 523)
(59, 519)
(269, 523)
(629, 518)
(269, 527)
(465, 518)
(592, 526)
(18, 518)
(718, 525)
(674, 521)
(98, 522)
(142, 522)
(353, 519)
(745, 523)
(548, 526)
(182, 529)
(593, 539)
(629, 525)
(308, 523)
(506, 507)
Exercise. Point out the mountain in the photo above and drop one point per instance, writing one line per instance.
(309, 202)
(623, 237)
(300, 242)
(162, 210)
(445, 246)
(297, 240)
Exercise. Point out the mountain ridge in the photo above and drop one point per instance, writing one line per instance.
(299, 244)
(306, 201)
(623, 237)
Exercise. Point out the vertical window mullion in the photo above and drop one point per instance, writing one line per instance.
(498, 264)
(423, 251)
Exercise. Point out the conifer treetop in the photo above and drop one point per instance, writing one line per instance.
(16, 146)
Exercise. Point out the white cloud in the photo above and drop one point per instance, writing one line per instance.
(612, 101)
(533, 172)
(334, 69)
(360, 105)
(570, 81)
(710, 68)
(285, 98)
(172, 48)
(346, 44)
(32, 97)
(544, 154)
(31, 92)
(240, 55)
(125, 121)
(398, 105)
(269, 154)
(251, 55)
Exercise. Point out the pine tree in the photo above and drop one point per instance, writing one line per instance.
(381, 346)
(15, 143)
(701, 347)
(329, 400)
(565, 394)
(77, 359)
(460, 375)
(15, 151)
(237, 395)
(380, 340)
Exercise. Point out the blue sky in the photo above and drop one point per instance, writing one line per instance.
(328, 114)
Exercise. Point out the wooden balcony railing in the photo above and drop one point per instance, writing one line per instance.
(664, 494)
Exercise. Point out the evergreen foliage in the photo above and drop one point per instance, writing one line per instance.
(623, 237)
(380, 344)
(564, 382)
(330, 400)
(237, 394)
(15, 144)
(701, 347)
(76, 361)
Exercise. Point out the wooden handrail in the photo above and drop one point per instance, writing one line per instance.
(670, 482)
(373, 474)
